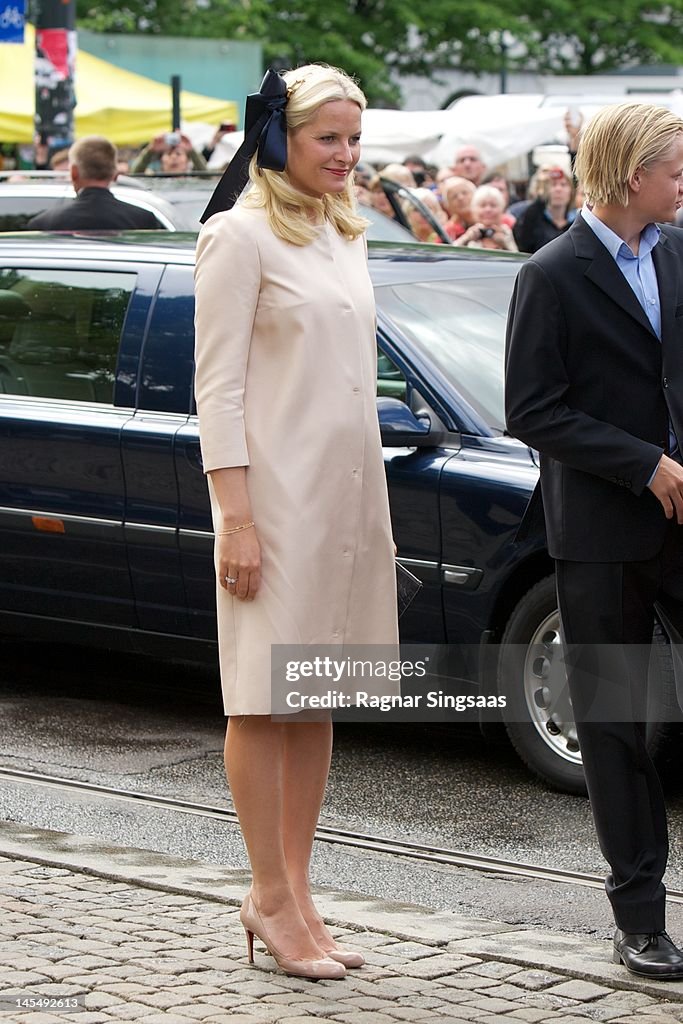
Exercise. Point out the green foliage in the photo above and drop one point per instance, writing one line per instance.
(373, 38)
(584, 37)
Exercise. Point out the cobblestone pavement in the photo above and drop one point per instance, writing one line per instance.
(137, 936)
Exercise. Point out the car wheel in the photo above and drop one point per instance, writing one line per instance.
(538, 713)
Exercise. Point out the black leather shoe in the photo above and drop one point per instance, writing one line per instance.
(653, 956)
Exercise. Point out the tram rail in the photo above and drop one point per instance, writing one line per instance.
(328, 834)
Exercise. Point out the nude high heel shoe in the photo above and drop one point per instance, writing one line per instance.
(316, 969)
(347, 957)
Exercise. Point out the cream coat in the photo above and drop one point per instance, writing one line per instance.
(285, 384)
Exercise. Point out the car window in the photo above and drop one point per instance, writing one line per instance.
(390, 381)
(16, 211)
(383, 228)
(167, 356)
(186, 212)
(59, 332)
(460, 326)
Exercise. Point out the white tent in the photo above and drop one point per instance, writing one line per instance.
(503, 127)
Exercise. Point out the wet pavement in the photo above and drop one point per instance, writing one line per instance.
(158, 728)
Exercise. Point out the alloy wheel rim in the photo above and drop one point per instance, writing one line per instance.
(546, 691)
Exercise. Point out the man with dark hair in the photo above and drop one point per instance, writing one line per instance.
(418, 167)
(92, 166)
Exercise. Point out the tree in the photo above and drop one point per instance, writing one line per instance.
(378, 40)
(579, 36)
(552, 36)
(366, 37)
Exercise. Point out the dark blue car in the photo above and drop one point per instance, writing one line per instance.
(105, 529)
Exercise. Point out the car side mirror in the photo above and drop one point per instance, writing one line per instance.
(399, 426)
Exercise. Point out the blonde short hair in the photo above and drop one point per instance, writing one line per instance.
(308, 88)
(488, 192)
(455, 181)
(399, 174)
(616, 142)
(95, 157)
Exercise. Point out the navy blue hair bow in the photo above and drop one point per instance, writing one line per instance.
(265, 133)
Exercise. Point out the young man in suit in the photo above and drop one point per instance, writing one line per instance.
(92, 166)
(595, 383)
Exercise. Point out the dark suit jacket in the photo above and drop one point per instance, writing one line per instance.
(93, 209)
(590, 386)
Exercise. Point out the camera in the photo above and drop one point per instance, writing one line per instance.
(487, 233)
(172, 138)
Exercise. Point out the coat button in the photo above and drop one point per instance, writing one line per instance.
(665, 382)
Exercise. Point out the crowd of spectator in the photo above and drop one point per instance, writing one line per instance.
(469, 204)
(464, 204)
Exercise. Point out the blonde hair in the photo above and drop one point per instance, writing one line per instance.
(616, 142)
(289, 211)
(455, 181)
(399, 174)
(95, 157)
(487, 192)
(428, 199)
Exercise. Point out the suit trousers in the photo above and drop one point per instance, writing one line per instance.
(607, 611)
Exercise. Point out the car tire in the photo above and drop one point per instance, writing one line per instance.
(537, 713)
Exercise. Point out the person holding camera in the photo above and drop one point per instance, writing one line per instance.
(174, 153)
(489, 231)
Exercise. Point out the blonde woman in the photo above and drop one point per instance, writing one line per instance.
(457, 199)
(550, 214)
(489, 231)
(419, 225)
(285, 386)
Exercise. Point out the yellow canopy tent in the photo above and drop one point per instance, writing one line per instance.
(127, 108)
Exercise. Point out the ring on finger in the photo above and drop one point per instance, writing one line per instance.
(231, 580)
